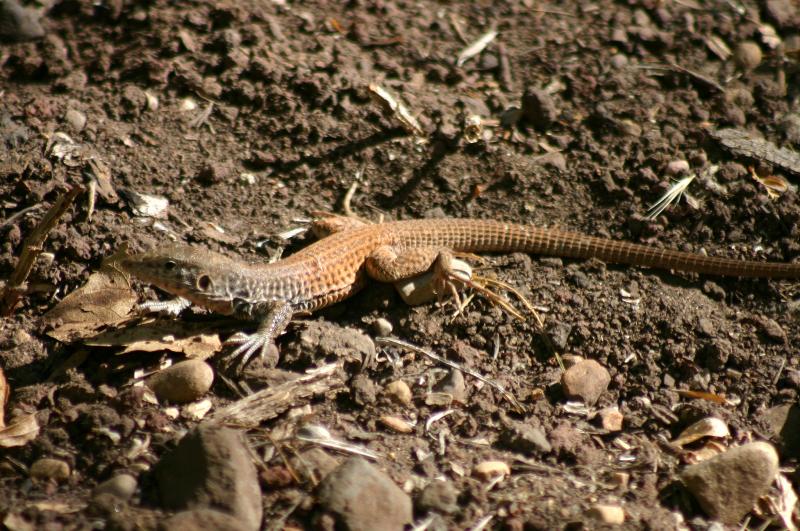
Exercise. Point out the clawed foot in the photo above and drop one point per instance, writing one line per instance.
(276, 315)
(248, 345)
(451, 274)
(171, 308)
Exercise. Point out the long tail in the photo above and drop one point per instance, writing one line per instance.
(486, 235)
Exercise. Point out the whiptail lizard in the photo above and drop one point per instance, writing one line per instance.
(338, 265)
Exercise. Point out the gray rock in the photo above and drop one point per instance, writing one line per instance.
(18, 23)
(525, 439)
(121, 486)
(359, 497)
(76, 119)
(438, 496)
(727, 486)
(211, 467)
(586, 381)
(324, 339)
(454, 385)
(538, 108)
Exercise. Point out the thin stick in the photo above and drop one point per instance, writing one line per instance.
(32, 248)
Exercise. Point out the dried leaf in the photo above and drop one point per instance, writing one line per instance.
(707, 427)
(105, 299)
(163, 334)
(20, 432)
(785, 504)
(775, 184)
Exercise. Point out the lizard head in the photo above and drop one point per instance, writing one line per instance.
(193, 274)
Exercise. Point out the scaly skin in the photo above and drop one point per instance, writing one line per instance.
(336, 267)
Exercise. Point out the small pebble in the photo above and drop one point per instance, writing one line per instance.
(585, 381)
(382, 327)
(454, 385)
(728, 485)
(399, 391)
(47, 468)
(76, 119)
(611, 419)
(438, 496)
(607, 514)
(183, 382)
(538, 108)
(747, 55)
(121, 486)
(619, 61)
(677, 167)
(620, 479)
(526, 439)
(489, 470)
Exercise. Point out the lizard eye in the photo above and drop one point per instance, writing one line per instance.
(204, 282)
(169, 265)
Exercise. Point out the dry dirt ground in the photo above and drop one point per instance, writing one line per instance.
(247, 116)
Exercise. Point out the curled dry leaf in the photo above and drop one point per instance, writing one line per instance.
(775, 185)
(707, 427)
(20, 431)
(400, 111)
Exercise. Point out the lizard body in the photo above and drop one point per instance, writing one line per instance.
(338, 265)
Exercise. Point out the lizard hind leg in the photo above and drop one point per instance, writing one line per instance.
(449, 274)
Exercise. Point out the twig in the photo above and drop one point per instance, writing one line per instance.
(15, 216)
(271, 402)
(32, 248)
(404, 344)
(348, 197)
(505, 68)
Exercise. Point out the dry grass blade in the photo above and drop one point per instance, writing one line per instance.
(476, 47)
(672, 195)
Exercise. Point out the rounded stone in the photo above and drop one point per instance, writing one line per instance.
(399, 391)
(728, 486)
(747, 55)
(183, 382)
(47, 468)
(585, 381)
(121, 486)
(76, 119)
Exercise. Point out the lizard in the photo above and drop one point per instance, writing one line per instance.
(338, 265)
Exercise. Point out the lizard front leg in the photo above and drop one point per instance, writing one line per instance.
(273, 318)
